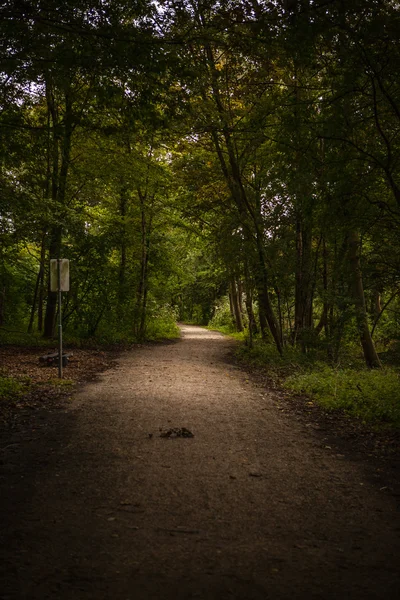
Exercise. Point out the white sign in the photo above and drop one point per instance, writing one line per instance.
(64, 274)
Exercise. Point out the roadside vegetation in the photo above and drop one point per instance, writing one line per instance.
(10, 387)
(370, 395)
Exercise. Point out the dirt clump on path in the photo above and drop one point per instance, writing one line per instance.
(251, 505)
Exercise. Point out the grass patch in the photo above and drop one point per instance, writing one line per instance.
(264, 355)
(162, 330)
(21, 338)
(61, 382)
(226, 330)
(10, 388)
(372, 396)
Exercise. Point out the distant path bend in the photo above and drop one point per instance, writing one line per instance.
(251, 507)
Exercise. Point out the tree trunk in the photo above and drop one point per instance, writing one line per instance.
(142, 289)
(35, 297)
(123, 200)
(377, 303)
(231, 310)
(323, 323)
(38, 285)
(303, 287)
(280, 317)
(264, 299)
(383, 308)
(249, 302)
(250, 315)
(240, 297)
(51, 304)
(261, 316)
(236, 305)
(61, 145)
(250, 215)
(370, 354)
(2, 305)
(41, 283)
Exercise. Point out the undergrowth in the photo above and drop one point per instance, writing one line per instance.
(372, 396)
(10, 388)
(11, 337)
(161, 325)
(228, 330)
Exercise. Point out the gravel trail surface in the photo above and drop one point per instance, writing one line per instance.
(174, 476)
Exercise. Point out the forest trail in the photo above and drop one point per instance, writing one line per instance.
(252, 507)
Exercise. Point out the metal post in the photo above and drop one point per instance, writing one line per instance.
(60, 341)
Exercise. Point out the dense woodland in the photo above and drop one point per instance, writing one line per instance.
(225, 162)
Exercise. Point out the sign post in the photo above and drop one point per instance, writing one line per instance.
(60, 340)
(59, 282)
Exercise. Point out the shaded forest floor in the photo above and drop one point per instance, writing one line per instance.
(104, 495)
(42, 391)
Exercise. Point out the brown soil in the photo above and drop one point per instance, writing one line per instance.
(42, 391)
(109, 497)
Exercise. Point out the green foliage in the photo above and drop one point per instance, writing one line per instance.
(21, 338)
(240, 336)
(373, 395)
(10, 388)
(61, 383)
(222, 318)
(17, 275)
(264, 355)
(162, 324)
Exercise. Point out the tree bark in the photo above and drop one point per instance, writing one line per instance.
(61, 145)
(250, 316)
(123, 201)
(231, 309)
(303, 286)
(250, 216)
(323, 323)
(377, 304)
(35, 297)
(2, 305)
(236, 305)
(265, 306)
(51, 304)
(370, 354)
(38, 285)
(142, 289)
(249, 302)
(41, 283)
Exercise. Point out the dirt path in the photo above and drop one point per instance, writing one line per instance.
(251, 507)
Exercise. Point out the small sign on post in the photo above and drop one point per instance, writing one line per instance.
(64, 274)
(59, 282)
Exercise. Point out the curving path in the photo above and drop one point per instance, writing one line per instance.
(251, 507)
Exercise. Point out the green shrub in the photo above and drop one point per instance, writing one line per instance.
(371, 395)
(222, 318)
(10, 388)
(265, 355)
(162, 324)
(21, 338)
